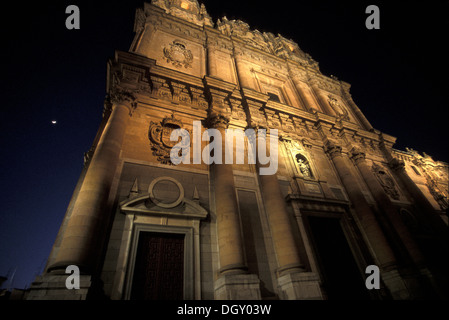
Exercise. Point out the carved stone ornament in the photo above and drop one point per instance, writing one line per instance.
(119, 95)
(386, 181)
(159, 135)
(437, 194)
(332, 148)
(338, 108)
(357, 154)
(178, 55)
(303, 165)
(217, 120)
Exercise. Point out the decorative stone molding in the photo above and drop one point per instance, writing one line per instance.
(153, 196)
(189, 10)
(437, 194)
(357, 154)
(340, 110)
(287, 122)
(218, 121)
(88, 156)
(159, 135)
(181, 208)
(237, 110)
(118, 95)
(178, 55)
(332, 149)
(272, 118)
(397, 165)
(198, 98)
(386, 181)
(328, 84)
(152, 203)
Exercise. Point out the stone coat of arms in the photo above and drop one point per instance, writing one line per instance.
(159, 135)
(178, 55)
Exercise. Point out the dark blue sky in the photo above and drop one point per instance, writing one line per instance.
(398, 76)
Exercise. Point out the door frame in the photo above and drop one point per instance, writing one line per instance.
(188, 285)
(350, 237)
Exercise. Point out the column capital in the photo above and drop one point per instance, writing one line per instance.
(121, 96)
(313, 81)
(357, 155)
(260, 132)
(217, 121)
(299, 76)
(332, 149)
(397, 165)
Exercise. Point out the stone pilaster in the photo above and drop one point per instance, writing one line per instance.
(380, 248)
(228, 222)
(304, 93)
(322, 99)
(53, 287)
(243, 74)
(424, 206)
(82, 241)
(237, 287)
(400, 237)
(234, 281)
(366, 124)
(281, 229)
(437, 238)
(211, 61)
(300, 286)
(293, 281)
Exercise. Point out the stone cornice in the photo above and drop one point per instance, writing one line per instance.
(177, 85)
(176, 75)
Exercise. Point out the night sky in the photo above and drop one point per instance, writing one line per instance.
(398, 76)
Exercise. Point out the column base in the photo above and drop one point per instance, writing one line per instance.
(300, 286)
(53, 287)
(396, 284)
(437, 287)
(237, 287)
(420, 285)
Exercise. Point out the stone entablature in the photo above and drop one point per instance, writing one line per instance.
(189, 93)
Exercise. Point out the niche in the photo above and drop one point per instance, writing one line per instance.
(303, 166)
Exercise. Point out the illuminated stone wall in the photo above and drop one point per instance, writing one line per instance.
(249, 236)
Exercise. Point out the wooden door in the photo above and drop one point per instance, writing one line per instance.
(159, 267)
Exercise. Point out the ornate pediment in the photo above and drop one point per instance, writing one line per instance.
(160, 202)
(144, 205)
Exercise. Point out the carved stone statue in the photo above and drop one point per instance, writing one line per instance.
(304, 167)
(386, 182)
(338, 108)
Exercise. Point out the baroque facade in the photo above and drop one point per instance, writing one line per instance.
(140, 227)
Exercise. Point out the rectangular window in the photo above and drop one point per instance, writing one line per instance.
(416, 170)
(274, 97)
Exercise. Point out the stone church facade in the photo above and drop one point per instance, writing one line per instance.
(140, 227)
